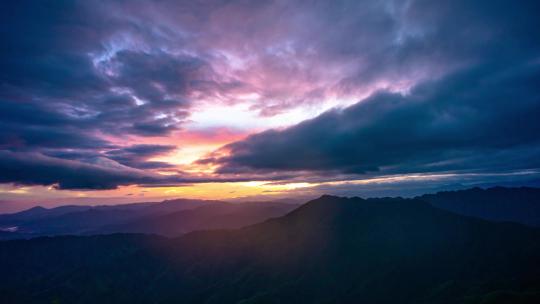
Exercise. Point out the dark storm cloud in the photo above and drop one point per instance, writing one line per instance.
(60, 70)
(37, 169)
(137, 156)
(481, 118)
(477, 110)
(305, 52)
(28, 168)
(25, 125)
(425, 39)
(152, 75)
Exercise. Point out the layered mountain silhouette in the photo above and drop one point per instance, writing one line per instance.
(330, 250)
(176, 217)
(170, 218)
(520, 205)
(210, 216)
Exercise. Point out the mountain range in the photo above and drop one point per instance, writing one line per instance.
(170, 218)
(329, 250)
(520, 205)
(176, 217)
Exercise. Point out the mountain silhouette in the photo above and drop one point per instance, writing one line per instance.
(329, 250)
(520, 205)
(39, 221)
(210, 216)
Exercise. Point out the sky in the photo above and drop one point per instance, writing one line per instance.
(122, 101)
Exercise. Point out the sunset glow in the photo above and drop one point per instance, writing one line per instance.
(230, 100)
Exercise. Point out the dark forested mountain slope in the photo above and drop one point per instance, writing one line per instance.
(330, 250)
(520, 205)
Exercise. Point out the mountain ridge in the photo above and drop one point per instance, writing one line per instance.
(329, 250)
(520, 205)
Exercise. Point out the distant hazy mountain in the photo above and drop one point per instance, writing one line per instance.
(168, 218)
(40, 221)
(330, 250)
(210, 216)
(520, 205)
(39, 212)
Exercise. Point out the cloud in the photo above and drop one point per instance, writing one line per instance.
(69, 65)
(137, 156)
(320, 53)
(99, 173)
(446, 85)
(37, 169)
(481, 118)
